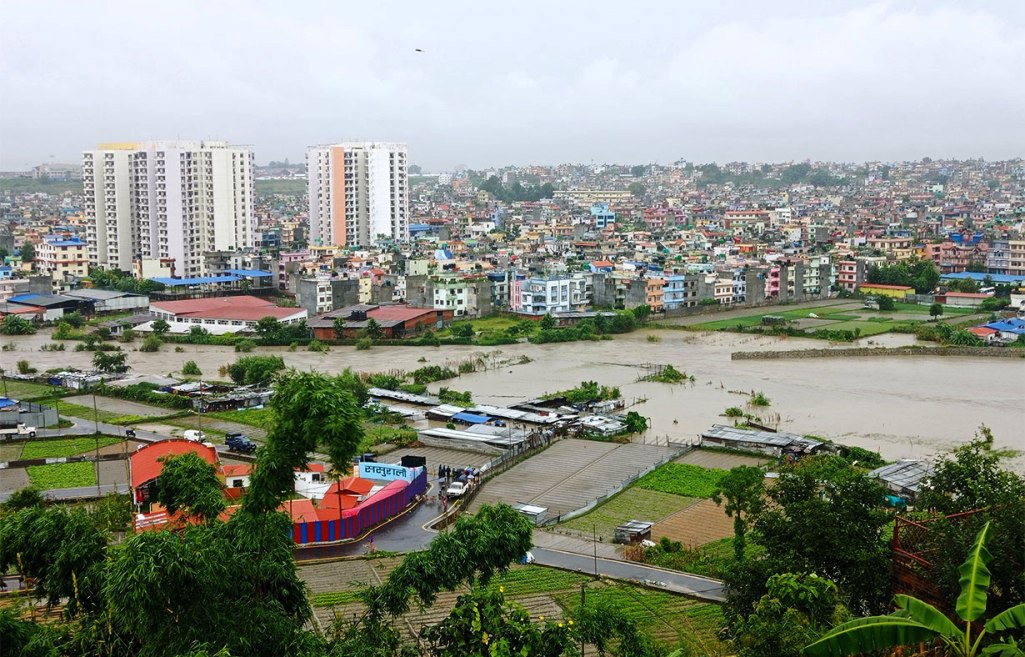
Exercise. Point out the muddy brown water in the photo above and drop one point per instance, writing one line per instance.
(904, 407)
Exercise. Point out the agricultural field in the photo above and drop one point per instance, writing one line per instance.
(45, 449)
(62, 475)
(682, 479)
(670, 618)
(632, 504)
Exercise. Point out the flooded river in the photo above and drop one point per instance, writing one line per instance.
(903, 407)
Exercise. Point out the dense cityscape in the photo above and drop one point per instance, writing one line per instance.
(368, 402)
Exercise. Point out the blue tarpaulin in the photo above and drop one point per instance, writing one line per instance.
(5, 402)
(470, 418)
(250, 273)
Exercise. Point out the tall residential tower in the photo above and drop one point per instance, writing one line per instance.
(359, 193)
(167, 199)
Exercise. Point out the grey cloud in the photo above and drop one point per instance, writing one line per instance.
(519, 83)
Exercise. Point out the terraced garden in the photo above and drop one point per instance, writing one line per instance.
(672, 619)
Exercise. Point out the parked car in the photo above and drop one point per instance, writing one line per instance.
(456, 489)
(195, 435)
(129, 433)
(527, 559)
(239, 442)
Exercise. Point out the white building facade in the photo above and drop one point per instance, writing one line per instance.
(167, 200)
(358, 193)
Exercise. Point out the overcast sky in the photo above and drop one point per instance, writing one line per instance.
(519, 82)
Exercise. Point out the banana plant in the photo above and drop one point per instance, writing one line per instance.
(916, 621)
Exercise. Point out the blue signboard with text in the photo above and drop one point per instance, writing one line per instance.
(385, 472)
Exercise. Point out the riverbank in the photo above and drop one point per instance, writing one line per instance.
(881, 352)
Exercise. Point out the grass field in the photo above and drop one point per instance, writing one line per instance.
(62, 475)
(24, 390)
(497, 323)
(45, 449)
(869, 322)
(682, 479)
(632, 504)
(87, 413)
(256, 417)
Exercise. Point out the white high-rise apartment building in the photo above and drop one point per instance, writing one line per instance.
(359, 193)
(167, 199)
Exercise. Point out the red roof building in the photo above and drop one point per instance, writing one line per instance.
(144, 465)
(223, 314)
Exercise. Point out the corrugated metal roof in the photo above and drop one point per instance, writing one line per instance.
(905, 474)
(780, 439)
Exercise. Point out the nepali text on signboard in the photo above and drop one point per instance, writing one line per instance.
(384, 472)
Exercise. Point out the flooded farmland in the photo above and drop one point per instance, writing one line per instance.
(904, 407)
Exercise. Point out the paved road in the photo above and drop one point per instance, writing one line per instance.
(692, 585)
(82, 427)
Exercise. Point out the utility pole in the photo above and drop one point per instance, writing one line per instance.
(594, 542)
(96, 436)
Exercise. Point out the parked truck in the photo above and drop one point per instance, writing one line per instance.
(17, 431)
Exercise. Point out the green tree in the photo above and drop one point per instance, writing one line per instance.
(255, 370)
(14, 325)
(160, 327)
(190, 368)
(463, 330)
(641, 313)
(75, 319)
(339, 327)
(373, 329)
(59, 548)
(24, 498)
(636, 189)
(547, 322)
(28, 252)
(936, 310)
(795, 610)
(638, 170)
(832, 528)
(917, 621)
(885, 302)
(189, 484)
(972, 479)
(111, 362)
(151, 343)
(311, 411)
(268, 330)
(742, 489)
(63, 331)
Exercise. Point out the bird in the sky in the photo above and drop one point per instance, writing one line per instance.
(419, 50)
